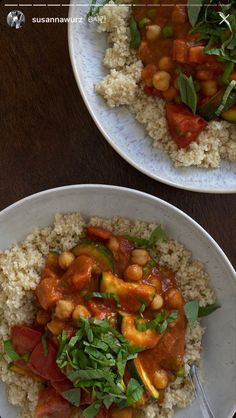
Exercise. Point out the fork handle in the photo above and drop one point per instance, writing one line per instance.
(200, 394)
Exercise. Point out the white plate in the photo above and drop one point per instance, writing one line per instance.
(119, 126)
(219, 345)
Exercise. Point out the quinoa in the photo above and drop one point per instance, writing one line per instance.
(20, 270)
(122, 86)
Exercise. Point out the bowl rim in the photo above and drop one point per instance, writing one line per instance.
(128, 190)
(106, 135)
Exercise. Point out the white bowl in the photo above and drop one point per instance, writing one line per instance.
(219, 341)
(119, 126)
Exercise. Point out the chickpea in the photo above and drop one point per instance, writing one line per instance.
(79, 311)
(134, 272)
(170, 94)
(161, 80)
(65, 259)
(64, 309)
(174, 299)
(140, 257)
(161, 379)
(55, 326)
(165, 63)
(148, 73)
(113, 244)
(153, 32)
(43, 317)
(209, 88)
(157, 302)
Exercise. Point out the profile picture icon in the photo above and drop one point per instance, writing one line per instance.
(16, 19)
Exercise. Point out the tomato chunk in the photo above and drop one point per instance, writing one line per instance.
(45, 366)
(80, 272)
(183, 125)
(48, 292)
(180, 50)
(52, 405)
(99, 233)
(24, 339)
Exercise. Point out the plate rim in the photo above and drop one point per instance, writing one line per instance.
(107, 136)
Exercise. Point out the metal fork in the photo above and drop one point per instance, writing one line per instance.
(200, 393)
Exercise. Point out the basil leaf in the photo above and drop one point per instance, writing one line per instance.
(159, 234)
(134, 391)
(92, 410)
(228, 70)
(72, 396)
(207, 310)
(140, 242)
(191, 311)
(102, 295)
(187, 91)
(194, 8)
(134, 34)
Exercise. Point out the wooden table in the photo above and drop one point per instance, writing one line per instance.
(48, 138)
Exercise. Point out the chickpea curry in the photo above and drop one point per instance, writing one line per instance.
(109, 332)
(189, 56)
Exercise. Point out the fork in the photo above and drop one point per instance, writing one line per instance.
(200, 393)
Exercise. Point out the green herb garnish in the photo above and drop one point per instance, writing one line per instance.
(72, 396)
(103, 295)
(134, 34)
(11, 353)
(158, 234)
(96, 358)
(159, 323)
(207, 310)
(194, 8)
(191, 311)
(187, 91)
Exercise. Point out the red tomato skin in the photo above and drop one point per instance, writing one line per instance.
(24, 339)
(51, 404)
(103, 412)
(95, 232)
(183, 125)
(45, 366)
(61, 385)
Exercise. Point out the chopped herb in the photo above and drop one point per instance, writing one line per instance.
(134, 33)
(194, 8)
(142, 309)
(11, 353)
(187, 91)
(158, 234)
(134, 391)
(228, 70)
(92, 410)
(181, 372)
(44, 343)
(72, 396)
(191, 311)
(167, 31)
(96, 358)
(226, 98)
(207, 310)
(159, 323)
(94, 8)
(102, 295)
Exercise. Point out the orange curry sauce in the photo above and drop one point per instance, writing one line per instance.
(71, 279)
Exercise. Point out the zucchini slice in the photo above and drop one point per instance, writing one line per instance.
(143, 375)
(131, 295)
(146, 339)
(98, 252)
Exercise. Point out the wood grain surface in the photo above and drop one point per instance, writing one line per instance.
(48, 138)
